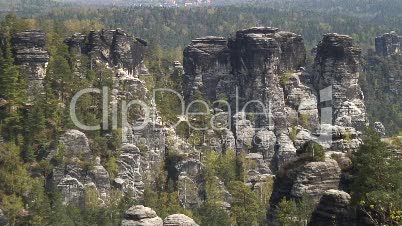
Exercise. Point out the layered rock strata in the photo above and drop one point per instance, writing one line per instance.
(30, 53)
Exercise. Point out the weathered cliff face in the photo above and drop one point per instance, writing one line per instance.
(129, 178)
(254, 62)
(30, 53)
(207, 65)
(79, 170)
(388, 44)
(338, 66)
(114, 48)
(311, 178)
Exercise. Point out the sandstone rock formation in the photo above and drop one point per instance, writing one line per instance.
(141, 216)
(388, 44)
(333, 209)
(79, 170)
(114, 48)
(178, 220)
(145, 216)
(338, 67)
(30, 53)
(254, 62)
(129, 178)
(300, 178)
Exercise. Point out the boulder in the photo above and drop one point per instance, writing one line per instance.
(141, 216)
(299, 178)
(179, 220)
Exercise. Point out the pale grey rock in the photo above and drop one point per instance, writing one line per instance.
(75, 144)
(302, 136)
(190, 182)
(206, 65)
(285, 151)
(264, 142)
(380, 128)
(114, 48)
(129, 178)
(141, 216)
(179, 220)
(101, 179)
(72, 190)
(315, 178)
(72, 178)
(244, 131)
(299, 178)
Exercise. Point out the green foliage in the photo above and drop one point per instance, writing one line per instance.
(284, 79)
(292, 213)
(112, 167)
(13, 206)
(246, 209)
(381, 98)
(377, 188)
(313, 151)
(223, 166)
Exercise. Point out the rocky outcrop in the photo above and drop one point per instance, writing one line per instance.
(141, 216)
(30, 53)
(190, 182)
(338, 69)
(255, 62)
(114, 48)
(145, 216)
(178, 220)
(79, 170)
(388, 44)
(129, 178)
(334, 209)
(206, 64)
(299, 178)
(3, 219)
(76, 144)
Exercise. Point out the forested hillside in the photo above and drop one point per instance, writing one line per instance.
(314, 159)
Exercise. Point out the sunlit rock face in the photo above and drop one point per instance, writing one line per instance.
(79, 171)
(338, 66)
(30, 53)
(248, 67)
(336, 79)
